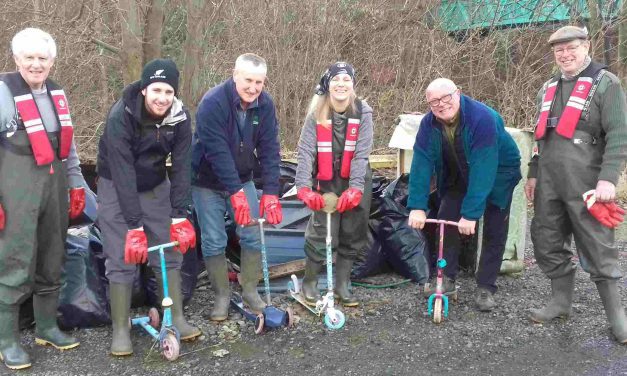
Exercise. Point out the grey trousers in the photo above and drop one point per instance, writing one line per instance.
(156, 208)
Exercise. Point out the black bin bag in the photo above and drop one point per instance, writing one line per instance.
(405, 248)
(83, 301)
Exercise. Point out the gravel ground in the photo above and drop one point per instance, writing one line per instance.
(389, 334)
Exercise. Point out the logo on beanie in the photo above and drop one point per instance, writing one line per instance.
(158, 74)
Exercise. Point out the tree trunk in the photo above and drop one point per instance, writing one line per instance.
(152, 29)
(131, 51)
(622, 43)
(198, 16)
(596, 31)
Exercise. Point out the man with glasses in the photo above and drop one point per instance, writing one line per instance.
(580, 132)
(477, 166)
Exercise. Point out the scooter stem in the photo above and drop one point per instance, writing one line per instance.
(264, 261)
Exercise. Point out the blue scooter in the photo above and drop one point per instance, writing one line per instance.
(168, 337)
(271, 317)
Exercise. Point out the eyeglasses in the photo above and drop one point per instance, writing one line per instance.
(569, 49)
(444, 99)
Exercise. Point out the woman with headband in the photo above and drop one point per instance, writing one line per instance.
(333, 151)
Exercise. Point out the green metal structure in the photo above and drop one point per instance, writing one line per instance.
(463, 15)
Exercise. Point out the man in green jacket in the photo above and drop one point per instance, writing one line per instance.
(580, 133)
(477, 165)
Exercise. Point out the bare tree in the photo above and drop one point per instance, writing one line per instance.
(131, 31)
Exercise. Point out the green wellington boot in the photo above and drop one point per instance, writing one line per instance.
(188, 332)
(121, 294)
(249, 276)
(217, 270)
(343, 268)
(608, 291)
(47, 331)
(11, 351)
(310, 281)
(561, 302)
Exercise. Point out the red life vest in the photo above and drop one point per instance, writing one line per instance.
(324, 138)
(579, 98)
(30, 117)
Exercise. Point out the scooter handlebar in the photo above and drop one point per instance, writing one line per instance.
(440, 221)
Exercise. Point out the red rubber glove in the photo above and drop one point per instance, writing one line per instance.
(241, 208)
(349, 199)
(313, 200)
(136, 247)
(271, 206)
(77, 202)
(2, 218)
(607, 213)
(182, 231)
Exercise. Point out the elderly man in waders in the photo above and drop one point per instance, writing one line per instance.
(580, 133)
(38, 163)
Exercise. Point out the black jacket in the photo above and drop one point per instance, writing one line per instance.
(133, 149)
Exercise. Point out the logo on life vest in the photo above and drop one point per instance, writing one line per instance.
(353, 131)
(61, 103)
(581, 87)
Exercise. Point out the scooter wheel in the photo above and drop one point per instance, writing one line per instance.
(334, 323)
(437, 311)
(155, 320)
(290, 317)
(259, 322)
(170, 347)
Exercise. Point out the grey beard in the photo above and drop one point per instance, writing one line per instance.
(585, 64)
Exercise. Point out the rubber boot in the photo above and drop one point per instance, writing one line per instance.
(343, 268)
(249, 276)
(217, 270)
(608, 291)
(120, 294)
(310, 282)
(47, 331)
(188, 332)
(11, 351)
(561, 301)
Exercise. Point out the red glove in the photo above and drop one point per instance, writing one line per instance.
(136, 247)
(2, 218)
(183, 232)
(271, 206)
(313, 200)
(241, 208)
(77, 202)
(607, 213)
(349, 199)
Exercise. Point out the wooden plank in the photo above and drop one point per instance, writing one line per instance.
(287, 269)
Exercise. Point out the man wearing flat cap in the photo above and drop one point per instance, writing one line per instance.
(140, 203)
(580, 133)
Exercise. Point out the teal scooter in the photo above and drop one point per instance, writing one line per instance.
(168, 336)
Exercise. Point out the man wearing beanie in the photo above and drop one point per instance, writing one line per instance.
(236, 129)
(139, 203)
(580, 132)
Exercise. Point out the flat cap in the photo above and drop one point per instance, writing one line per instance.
(568, 33)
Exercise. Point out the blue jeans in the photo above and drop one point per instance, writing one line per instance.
(211, 205)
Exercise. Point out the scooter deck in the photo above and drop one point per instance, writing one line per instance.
(301, 299)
